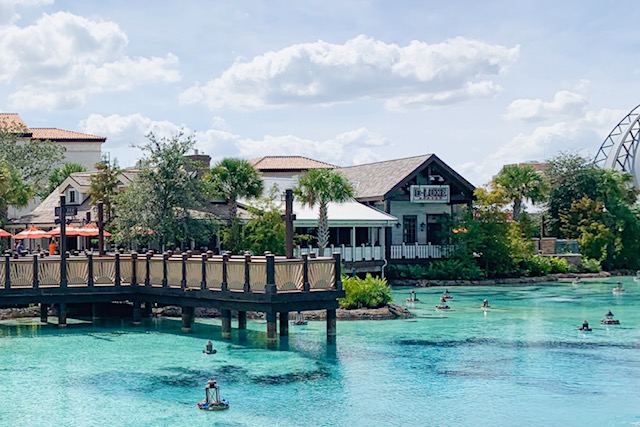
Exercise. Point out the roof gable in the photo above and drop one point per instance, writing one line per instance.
(286, 163)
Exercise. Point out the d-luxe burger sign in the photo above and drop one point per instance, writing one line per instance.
(429, 194)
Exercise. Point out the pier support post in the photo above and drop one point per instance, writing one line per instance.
(62, 315)
(242, 320)
(271, 328)
(187, 319)
(331, 326)
(95, 312)
(226, 324)
(147, 310)
(284, 323)
(137, 313)
(44, 313)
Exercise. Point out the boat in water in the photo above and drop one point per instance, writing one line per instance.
(618, 288)
(609, 320)
(299, 320)
(212, 401)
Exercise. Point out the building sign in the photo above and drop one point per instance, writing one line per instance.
(429, 194)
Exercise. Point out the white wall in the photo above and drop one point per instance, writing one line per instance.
(421, 210)
(85, 153)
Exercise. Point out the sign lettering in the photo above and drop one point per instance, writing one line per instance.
(430, 194)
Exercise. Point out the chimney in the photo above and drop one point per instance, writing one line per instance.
(200, 162)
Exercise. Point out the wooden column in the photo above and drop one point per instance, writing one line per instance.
(147, 269)
(134, 270)
(226, 324)
(95, 312)
(137, 312)
(331, 326)
(271, 328)
(284, 323)
(62, 315)
(242, 320)
(44, 313)
(247, 272)
(118, 278)
(338, 274)
(35, 272)
(203, 282)
(90, 275)
(147, 310)
(165, 283)
(100, 228)
(305, 273)
(183, 281)
(187, 319)
(7, 271)
(288, 218)
(224, 286)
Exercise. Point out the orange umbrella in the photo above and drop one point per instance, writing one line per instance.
(70, 231)
(31, 232)
(4, 233)
(91, 230)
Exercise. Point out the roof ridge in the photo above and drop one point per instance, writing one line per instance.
(386, 161)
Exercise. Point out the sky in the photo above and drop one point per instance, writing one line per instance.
(479, 84)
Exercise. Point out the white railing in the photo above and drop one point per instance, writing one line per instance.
(348, 253)
(416, 251)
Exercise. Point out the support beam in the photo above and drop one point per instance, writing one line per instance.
(284, 323)
(226, 324)
(271, 328)
(44, 313)
(331, 326)
(95, 312)
(147, 311)
(242, 320)
(62, 315)
(137, 312)
(187, 319)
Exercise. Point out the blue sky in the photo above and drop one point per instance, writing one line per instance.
(479, 84)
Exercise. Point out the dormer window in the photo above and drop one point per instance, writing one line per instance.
(72, 196)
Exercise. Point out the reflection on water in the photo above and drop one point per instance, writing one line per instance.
(522, 362)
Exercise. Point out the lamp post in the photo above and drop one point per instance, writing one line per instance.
(100, 228)
(288, 218)
(63, 242)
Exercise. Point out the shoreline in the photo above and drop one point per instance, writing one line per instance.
(426, 283)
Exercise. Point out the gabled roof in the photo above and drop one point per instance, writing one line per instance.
(12, 120)
(376, 180)
(55, 134)
(287, 163)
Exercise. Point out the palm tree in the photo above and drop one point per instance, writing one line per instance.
(59, 175)
(232, 179)
(520, 182)
(319, 187)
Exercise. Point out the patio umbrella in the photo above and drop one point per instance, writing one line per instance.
(31, 232)
(91, 230)
(4, 233)
(70, 231)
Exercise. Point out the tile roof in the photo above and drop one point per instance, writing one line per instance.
(60, 134)
(286, 163)
(377, 179)
(12, 120)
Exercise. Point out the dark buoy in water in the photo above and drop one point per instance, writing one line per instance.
(208, 348)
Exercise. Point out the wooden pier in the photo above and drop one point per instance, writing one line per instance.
(268, 284)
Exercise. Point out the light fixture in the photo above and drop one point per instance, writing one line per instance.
(397, 225)
(422, 226)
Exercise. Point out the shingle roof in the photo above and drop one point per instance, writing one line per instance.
(286, 163)
(377, 179)
(60, 134)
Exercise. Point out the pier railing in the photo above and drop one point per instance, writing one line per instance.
(203, 272)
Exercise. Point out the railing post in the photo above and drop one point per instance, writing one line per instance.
(134, 269)
(118, 281)
(338, 273)
(343, 252)
(147, 273)
(7, 271)
(305, 273)
(363, 253)
(225, 259)
(247, 272)
(165, 283)
(203, 282)
(416, 254)
(271, 274)
(183, 281)
(35, 272)
(90, 276)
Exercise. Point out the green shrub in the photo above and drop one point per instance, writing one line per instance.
(559, 265)
(542, 265)
(454, 269)
(370, 292)
(591, 265)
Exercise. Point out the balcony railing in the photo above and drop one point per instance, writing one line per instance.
(348, 253)
(416, 251)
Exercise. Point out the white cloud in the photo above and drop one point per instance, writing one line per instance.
(565, 103)
(8, 14)
(61, 58)
(348, 148)
(321, 73)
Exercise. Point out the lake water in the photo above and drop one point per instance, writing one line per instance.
(521, 363)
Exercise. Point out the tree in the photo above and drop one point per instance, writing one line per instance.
(231, 179)
(320, 187)
(13, 189)
(520, 183)
(163, 199)
(104, 186)
(59, 175)
(32, 160)
(266, 230)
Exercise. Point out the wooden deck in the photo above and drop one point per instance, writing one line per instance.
(269, 284)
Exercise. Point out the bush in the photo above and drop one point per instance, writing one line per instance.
(591, 265)
(454, 269)
(559, 265)
(542, 265)
(370, 292)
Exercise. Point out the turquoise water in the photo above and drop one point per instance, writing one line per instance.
(521, 363)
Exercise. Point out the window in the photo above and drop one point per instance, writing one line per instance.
(72, 196)
(409, 228)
